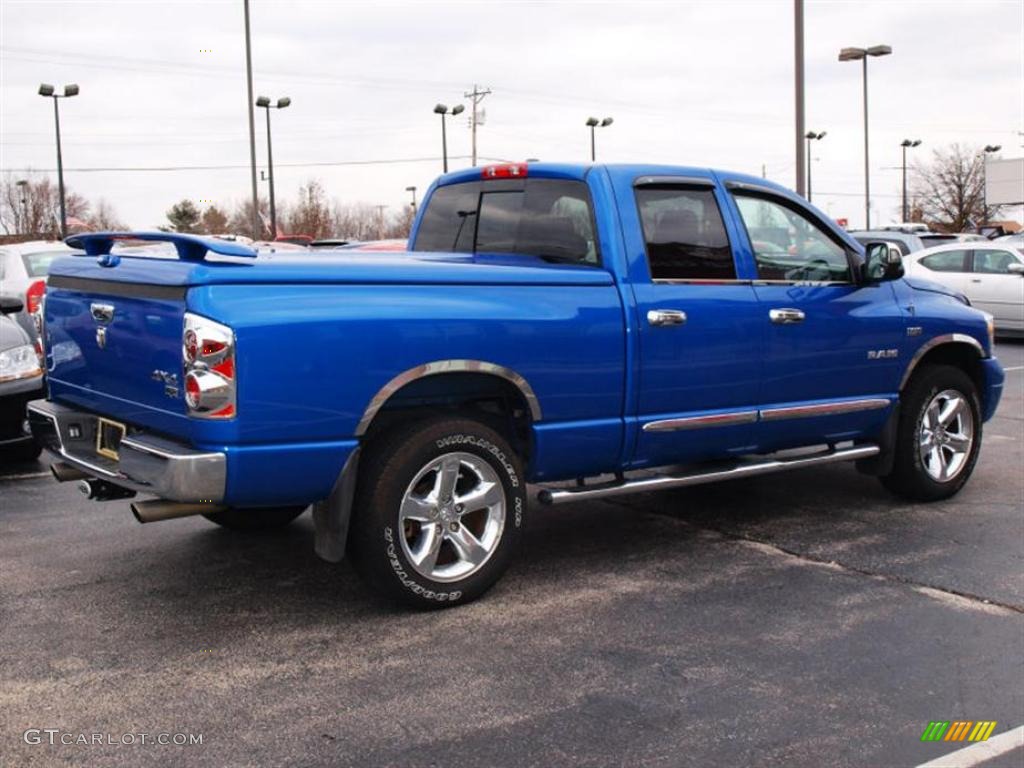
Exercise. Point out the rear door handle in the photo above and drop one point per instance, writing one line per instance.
(786, 316)
(975, 279)
(665, 317)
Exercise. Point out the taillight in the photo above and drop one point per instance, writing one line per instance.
(208, 354)
(505, 171)
(34, 296)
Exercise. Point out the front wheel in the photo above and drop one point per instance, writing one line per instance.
(939, 435)
(439, 512)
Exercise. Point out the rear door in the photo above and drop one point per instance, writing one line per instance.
(832, 343)
(991, 286)
(700, 329)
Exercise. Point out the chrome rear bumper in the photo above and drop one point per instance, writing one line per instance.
(146, 463)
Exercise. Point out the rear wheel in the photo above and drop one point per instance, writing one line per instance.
(255, 519)
(939, 435)
(439, 512)
(23, 453)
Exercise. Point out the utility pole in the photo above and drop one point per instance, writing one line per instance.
(476, 96)
(252, 130)
(798, 49)
(380, 221)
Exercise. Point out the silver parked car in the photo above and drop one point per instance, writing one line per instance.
(23, 270)
(990, 275)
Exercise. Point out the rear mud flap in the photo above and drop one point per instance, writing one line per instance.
(331, 516)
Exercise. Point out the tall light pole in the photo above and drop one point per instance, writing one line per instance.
(442, 110)
(22, 185)
(861, 54)
(69, 91)
(988, 150)
(906, 144)
(264, 102)
(594, 124)
(413, 190)
(254, 222)
(811, 136)
(798, 77)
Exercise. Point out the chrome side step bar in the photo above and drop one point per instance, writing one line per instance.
(744, 469)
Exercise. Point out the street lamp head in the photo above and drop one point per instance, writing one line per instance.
(441, 109)
(262, 101)
(606, 122)
(852, 54)
(593, 122)
(46, 89)
(879, 50)
(283, 102)
(22, 182)
(458, 109)
(917, 143)
(993, 147)
(70, 90)
(410, 189)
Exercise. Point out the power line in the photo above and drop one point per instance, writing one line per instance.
(162, 168)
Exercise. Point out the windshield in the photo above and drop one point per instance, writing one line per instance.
(38, 264)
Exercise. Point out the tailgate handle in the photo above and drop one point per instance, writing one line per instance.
(102, 313)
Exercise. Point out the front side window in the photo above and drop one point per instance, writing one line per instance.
(550, 218)
(684, 234)
(947, 261)
(789, 246)
(992, 261)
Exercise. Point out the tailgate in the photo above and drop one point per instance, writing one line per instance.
(114, 329)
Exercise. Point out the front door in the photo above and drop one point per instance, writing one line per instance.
(833, 344)
(700, 333)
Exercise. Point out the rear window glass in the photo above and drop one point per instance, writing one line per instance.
(684, 234)
(550, 218)
(947, 261)
(38, 264)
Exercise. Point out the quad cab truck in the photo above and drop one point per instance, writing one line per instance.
(623, 328)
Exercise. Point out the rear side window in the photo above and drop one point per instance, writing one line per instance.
(947, 261)
(550, 218)
(38, 264)
(684, 234)
(993, 262)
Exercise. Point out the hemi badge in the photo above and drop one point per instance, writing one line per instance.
(913, 330)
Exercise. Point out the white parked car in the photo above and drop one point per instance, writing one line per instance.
(990, 275)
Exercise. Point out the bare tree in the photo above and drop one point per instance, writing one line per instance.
(34, 207)
(311, 214)
(950, 190)
(104, 218)
(240, 221)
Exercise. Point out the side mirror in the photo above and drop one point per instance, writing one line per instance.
(883, 262)
(1015, 268)
(9, 305)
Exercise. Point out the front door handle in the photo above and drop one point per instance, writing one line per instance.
(665, 317)
(786, 316)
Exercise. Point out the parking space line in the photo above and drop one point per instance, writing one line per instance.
(1013, 368)
(24, 476)
(979, 753)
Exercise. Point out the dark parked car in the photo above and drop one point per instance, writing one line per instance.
(21, 380)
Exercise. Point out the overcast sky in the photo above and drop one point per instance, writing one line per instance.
(702, 83)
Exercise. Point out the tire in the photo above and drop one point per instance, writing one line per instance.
(419, 544)
(255, 519)
(927, 464)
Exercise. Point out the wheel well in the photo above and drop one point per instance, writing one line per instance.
(962, 356)
(498, 400)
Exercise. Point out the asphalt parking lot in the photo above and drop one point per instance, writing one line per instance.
(806, 619)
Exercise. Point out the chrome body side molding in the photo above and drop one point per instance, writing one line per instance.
(948, 338)
(823, 409)
(447, 366)
(702, 422)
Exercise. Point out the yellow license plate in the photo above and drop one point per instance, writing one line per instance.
(108, 437)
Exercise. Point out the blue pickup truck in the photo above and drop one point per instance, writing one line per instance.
(584, 330)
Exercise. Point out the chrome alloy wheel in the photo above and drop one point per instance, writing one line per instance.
(946, 435)
(452, 517)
